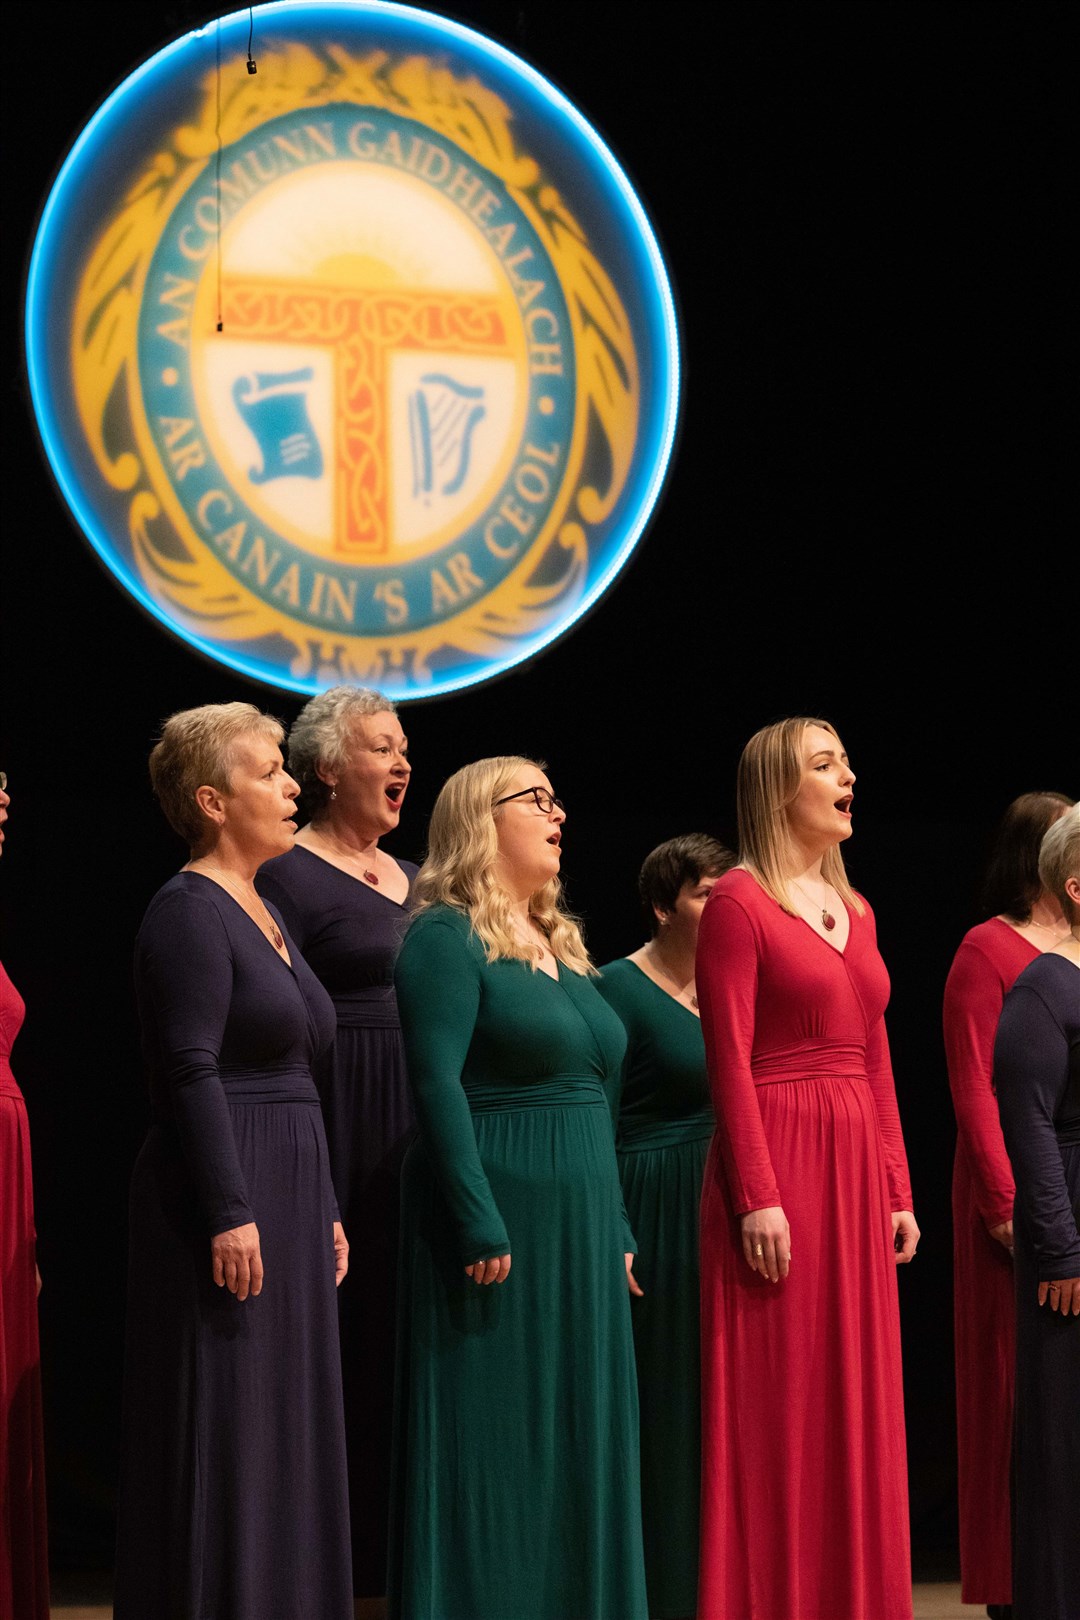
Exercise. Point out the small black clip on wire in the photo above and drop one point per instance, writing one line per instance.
(251, 34)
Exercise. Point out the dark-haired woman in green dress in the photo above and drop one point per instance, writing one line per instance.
(516, 1490)
(665, 1122)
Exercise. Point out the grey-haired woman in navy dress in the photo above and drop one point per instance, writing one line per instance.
(345, 901)
(233, 1493)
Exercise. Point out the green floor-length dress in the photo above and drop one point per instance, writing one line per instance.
(516, 1491)
(665, 1122)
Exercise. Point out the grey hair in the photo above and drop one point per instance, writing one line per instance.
(1059, 860)
(321, 735)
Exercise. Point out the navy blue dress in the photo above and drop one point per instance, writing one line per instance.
(233, 1493)
(350, 934)
(1037, 1076)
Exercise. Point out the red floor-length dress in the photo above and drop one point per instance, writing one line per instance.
(989, 959)
(24, 1580)
(804, 1470)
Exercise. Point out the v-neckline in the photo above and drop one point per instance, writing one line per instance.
(1030, 943)
(689, 1011)
(402, 905)
(556, 977)
(285, 962)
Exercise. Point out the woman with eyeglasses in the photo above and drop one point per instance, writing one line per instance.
(805, 1215)
(516, 1428)
(24, 1559)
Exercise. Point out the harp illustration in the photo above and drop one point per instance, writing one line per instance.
(443, 415)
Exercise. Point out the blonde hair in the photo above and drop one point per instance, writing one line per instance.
(770, 774)
(459, 870)
(197, 749)
(1059, 860)
(322, 734)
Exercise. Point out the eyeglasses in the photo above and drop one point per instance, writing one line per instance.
(545, 801)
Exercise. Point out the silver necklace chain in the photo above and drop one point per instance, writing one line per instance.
(334, 846)
(269, 927)
(1047, 928)
(684, 990)
(826, 916)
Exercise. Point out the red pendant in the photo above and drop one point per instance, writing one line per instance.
(371, 877)
(828, 921)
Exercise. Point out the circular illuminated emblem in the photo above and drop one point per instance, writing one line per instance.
(362, 367)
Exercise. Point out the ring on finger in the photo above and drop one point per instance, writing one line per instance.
(759, 1250)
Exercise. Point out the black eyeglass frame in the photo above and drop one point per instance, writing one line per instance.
(553, 804)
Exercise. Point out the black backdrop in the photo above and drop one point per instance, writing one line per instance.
(858, 204)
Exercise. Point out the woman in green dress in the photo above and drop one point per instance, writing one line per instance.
(516, 1489)
(665, 1121)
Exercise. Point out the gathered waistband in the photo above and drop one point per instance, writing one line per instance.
(638, 1136)
(269, 1085)
(562, 1091)
(810, 1060)
(374, 1007)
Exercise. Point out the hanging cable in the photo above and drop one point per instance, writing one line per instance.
(217, 169)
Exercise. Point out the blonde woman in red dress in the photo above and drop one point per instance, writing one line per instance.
(1025, 921)
(806, 1212)
(24, 1565)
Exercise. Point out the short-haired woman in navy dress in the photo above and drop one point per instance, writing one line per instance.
(233, 1495)
(1037, 1076)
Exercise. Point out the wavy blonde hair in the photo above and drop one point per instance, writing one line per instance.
(459, 869)
(770, 773)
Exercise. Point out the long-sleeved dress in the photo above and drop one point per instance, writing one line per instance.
(24, 1565)
(665, 1124)
(1037, 1075)
(804, 1471)
(989, 959)
(233, 1493)
(350, 934)
(516, 1492)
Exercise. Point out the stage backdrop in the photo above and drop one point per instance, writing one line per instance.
(864, 520)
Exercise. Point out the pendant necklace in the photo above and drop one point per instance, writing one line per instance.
(366, 872)
(828, 921)
(269, 926)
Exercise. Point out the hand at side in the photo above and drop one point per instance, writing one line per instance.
(237, 1260)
